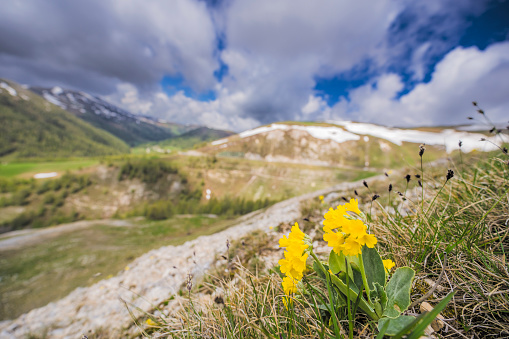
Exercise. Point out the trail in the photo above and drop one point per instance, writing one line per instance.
(22, 238)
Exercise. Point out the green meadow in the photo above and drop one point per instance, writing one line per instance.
(29, 168)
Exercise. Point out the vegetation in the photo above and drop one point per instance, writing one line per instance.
(45, 199)
(446, 224)
(34, 128)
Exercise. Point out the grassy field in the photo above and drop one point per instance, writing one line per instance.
(28, 169)
(29, 275)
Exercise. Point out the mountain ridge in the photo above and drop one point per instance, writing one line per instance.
(30, 127)
(131, 128)
(346, 143)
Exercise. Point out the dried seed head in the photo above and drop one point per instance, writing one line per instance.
(344, 199)
(227, 244)
(189, 283)
(376, 196)
(470, 118)
(480, 111)
(400, 194)
(450, 174)
(417, 176)
(460, 143)
(365, 183)
(492, 130)
(390, 187)
(387, 175)
(420, 184)
(422, 148)
(408, 177)
(474, 103)
(355, 191)
(504, 149)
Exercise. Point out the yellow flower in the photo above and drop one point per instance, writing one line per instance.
(335, 240)
(321, 198)
(295, 236)
(368, 240)
(335, 218)
(388, 264)
(293, 265)
(353, 206)
(150, 322)
(289, 285)
(352, 246)
(351, 233)
(355, 228)
(294, 262)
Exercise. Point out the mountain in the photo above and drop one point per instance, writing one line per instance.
(346, 144)
(32, 127)
(133, 129)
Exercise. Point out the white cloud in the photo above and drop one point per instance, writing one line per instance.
(463, 76)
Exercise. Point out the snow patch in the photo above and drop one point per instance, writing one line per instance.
(448, 137)
(45, 175)
(53, 100)
(57, 90)
(336, 134)
(219, 142)
(9, 89)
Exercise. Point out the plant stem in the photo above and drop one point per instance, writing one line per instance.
(331, 296)
(364, 279)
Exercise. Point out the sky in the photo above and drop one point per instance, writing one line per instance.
(238, 64)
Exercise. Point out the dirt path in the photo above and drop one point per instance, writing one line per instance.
(19, 239)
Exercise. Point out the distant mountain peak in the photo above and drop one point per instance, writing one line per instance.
(132, 128)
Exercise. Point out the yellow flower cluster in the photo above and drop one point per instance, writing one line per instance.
(294, 262)
(350, 234)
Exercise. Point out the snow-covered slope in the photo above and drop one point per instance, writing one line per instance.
(348, 143)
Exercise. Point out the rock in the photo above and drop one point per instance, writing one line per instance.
(436, 324)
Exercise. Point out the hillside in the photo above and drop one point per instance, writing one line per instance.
(32, 127)
(131, 128)
(193, 138)
(345, 144)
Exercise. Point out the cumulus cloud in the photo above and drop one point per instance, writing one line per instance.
(96, 44)
(463, 76)
(272, 54)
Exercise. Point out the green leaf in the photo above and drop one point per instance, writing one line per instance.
(373, 266)
(318, 270)
(354, 262)
(395, 325)
(353, 295)
(379, 297)
(335, 263)
(398, 292)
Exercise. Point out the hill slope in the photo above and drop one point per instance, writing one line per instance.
(133, 129)
(194, 137)
(345, 144)
(32, 127)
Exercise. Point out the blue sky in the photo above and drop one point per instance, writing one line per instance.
(237, 64)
